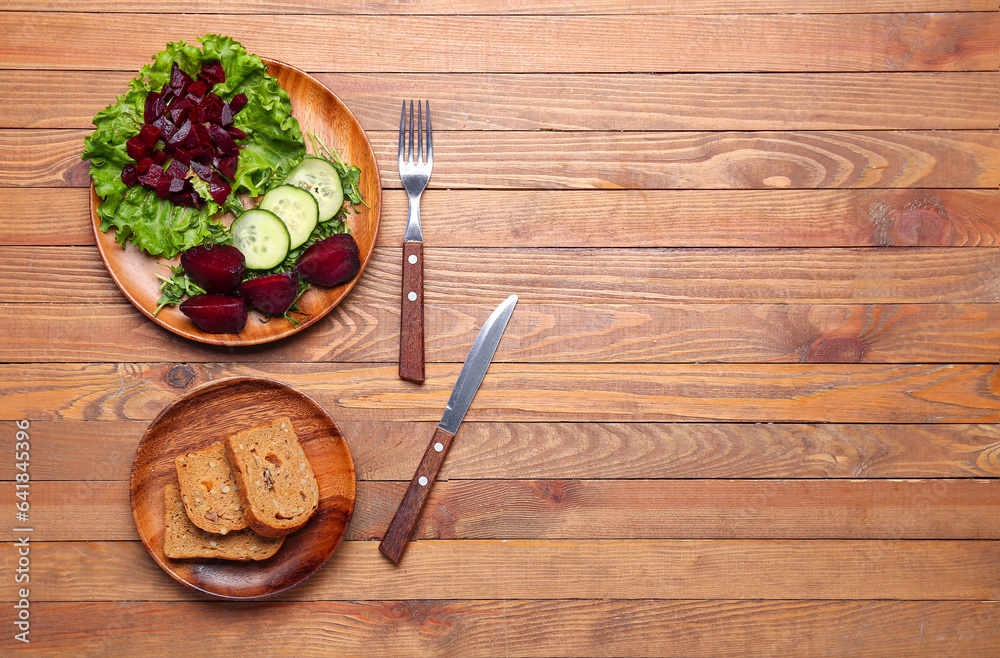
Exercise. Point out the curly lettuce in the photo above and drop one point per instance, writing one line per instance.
(273, 146)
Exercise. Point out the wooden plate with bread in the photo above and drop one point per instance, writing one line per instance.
(242, 488)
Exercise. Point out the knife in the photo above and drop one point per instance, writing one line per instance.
(471, 376)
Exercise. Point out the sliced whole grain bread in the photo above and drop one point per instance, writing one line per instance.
(208, 490)
(183, 540)
(275, 480)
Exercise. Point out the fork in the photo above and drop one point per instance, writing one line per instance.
(414, 174)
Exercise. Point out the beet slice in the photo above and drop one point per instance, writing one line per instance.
(143, 165)
(198, 88)
(129, 175)
(149, 134)
(214, 71)
(209, 82)
(176, 170)
(166, 126)
(181, 134)
(273, 293)
(222, 140)
(179, 80)
(228, 166)
(210, 108)
(159, 157)
(154, 107)
(226, 115)
(180, 110)
(202, 154)
(235, 132)
(152, 176)
(237, 103)
(330, 262)
(219, 188)
(216, 314)
(136, 149)
(217, 268)
(204, 171)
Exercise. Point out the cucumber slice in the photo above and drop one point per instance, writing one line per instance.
(297, 208)
(262, 237)
(320, 179)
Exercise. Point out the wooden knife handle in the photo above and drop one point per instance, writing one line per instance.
(411, 317)
(398, 534)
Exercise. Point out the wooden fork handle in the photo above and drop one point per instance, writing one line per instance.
(411, 317)
(398, 534)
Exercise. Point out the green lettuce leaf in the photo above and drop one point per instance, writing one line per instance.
(273, 146)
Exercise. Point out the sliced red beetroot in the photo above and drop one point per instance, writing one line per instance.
(143, 165)
(136, 149)
(216, 268)
(180, 110)
(222, 140)
(209, 82)
(235, 132)
(149, 134)
(204, 171)
(210, 109)
(159, 157)
(176, 169)
(129, 175)
(181, 134)
(226, 115)
(237, 103)
(187, 197)
(182, 155)
(179, 80)
(273, 293)
(167, 93)
(219, 188)
(216, 314)
(228, 166)
(198, 88)
(199, 136)
(201, 154)
(330, 262)
(154, 107)
(214, 71)
(152, 176)
(166, 127)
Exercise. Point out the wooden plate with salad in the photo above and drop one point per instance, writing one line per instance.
(283, 122)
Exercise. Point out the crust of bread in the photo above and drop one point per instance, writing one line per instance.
(275, 480)
(183, 540)
(208, 490)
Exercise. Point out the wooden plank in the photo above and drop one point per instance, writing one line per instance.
(529, 44)
(555, 569)
(535, 392)
(387, 450)
(528, 7)
(593, 509)
(562, 276)
(567, 333)
(571, 627)
(655, 218)
(620, 160)
(643, 102)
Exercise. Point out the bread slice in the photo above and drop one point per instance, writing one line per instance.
(209, 490)
(275, 480)
(183, 540)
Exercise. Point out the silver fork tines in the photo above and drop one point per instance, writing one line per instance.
(415, 172)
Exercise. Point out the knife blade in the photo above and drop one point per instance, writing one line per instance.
(471, 376)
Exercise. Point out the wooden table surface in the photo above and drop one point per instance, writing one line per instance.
(749, 400)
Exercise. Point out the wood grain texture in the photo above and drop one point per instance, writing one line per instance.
(567, 333)
(960, 100)
(536, 392)
(396, 513)
(620, 160)
(555, 569)
(514, 7)
(95, 451)
(656, 218)
(656, 43)
(573, 627)
(592, 276)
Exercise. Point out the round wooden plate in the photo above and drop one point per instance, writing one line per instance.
(320, 112)
(211, 413)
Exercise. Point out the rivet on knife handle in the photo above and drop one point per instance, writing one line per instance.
(399, 531)
(411, 317)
